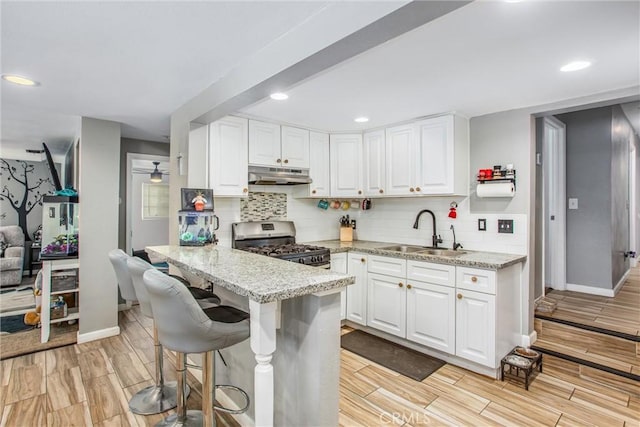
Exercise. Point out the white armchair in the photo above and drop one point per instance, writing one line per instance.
(12, 257)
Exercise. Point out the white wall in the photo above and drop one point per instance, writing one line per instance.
(98, 193)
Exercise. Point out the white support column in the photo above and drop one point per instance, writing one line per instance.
(263, 345)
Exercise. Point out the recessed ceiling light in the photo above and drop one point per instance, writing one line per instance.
(279, 96)
(575, 66)
(361, 119)
(19, 80)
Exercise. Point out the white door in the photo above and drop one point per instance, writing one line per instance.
(319, 165)
(554, 206)
(228, 152)
(346, 165)
(264, 144)
(147, 203)
(435, 156)
(374, 163)
(400, 160)
(475, 327)
(431, 315)
(357, 293)
(386, 304)
(295, 147)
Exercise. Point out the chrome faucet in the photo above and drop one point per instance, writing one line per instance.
(455, 245)
(435, 239)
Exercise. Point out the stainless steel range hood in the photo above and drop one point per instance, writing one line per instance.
(278, 176)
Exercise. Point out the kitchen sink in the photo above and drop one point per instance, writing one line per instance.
(442, 252)
(403, 248)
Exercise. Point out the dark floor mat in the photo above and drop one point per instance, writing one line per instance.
(400, 359)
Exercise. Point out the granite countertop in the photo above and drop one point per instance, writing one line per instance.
(258, 277)
(478, 259)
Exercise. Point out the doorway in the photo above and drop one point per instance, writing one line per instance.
(147, 213)
(554, 270)
(633, 207)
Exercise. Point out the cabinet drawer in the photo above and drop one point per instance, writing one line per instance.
(387, 265)
(428, 272)
(477, 280)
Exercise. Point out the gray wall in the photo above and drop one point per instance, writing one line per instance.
(539, 213)
(621, 138)
(589, 180)
(139, 146)
(98, 191)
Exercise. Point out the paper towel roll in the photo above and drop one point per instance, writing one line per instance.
(498, 189)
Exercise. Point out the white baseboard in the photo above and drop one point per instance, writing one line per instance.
(99, 334)
(590, 290)
(618, 285)
(529, 340)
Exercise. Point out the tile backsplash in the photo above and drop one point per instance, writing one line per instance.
(263, 206)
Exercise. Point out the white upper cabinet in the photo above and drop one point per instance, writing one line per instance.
(198, 158)
(295, 147)
(443, 156)
(401, 160)
(228, 153)
(374, 163)
(319, 165)
(276, 146)
(264, 144)
(346, 165)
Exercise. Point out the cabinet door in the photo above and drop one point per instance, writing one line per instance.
(475, 327)
(401, 160)
(228, 151)
(357, 293)
(198, 158)
(264, 144)
(431, 315)
(319, 164)
(386, 304)
(346, 165)
(339, 265)
(295, 147)
(374, 163)
(436, 156)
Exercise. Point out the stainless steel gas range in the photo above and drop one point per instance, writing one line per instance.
(277, 239)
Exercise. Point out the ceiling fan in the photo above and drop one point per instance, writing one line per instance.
(155, 175)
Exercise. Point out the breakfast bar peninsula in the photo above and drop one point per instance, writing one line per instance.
(290, 366)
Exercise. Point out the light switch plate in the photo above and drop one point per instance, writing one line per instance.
(573, 203)
(505, 226)
(482, 224)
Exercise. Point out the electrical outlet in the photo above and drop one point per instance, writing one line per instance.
(573, 203)
(482, 224)
(505, 226)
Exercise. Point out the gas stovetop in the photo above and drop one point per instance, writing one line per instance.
(277, 239)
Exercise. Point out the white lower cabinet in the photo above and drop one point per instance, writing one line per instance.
(339, 265)
(387, 304)
(431, 315)
(357, 293)
(476, 326)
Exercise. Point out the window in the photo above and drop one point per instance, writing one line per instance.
(155, 201)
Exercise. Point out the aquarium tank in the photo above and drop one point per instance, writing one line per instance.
(197, 228)
(59, 227)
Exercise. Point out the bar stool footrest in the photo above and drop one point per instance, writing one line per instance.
(194, 418)
(229, 410)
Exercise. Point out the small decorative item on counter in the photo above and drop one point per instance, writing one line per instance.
(452, 210)
(199, 202)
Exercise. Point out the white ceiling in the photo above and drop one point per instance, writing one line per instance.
(485, 57)
(130, 62)
(137, 62)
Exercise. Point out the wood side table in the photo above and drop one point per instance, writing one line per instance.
(34, 257)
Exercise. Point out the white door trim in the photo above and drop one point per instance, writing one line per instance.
(633, 206)
(130, 158)
(554, 175)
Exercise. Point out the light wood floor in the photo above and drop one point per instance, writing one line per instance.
(621, 313)
(89, 384)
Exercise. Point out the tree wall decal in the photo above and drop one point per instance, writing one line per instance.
(30, 194)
